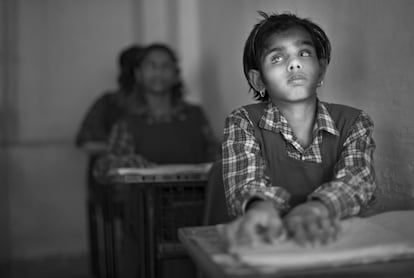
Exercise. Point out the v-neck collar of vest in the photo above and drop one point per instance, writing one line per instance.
(273, 120)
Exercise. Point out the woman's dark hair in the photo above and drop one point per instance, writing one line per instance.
(128, 61)
(256, 43)
(178, 89)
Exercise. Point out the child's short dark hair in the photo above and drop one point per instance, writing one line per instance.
(255, 45)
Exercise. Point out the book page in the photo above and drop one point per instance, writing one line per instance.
(362, 240)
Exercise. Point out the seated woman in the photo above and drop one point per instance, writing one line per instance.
(159, 126)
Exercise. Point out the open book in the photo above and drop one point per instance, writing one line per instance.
(382, 237)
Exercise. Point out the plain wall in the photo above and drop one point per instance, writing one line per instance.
(62, 54)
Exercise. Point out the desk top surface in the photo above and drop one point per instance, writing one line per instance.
(208, 250)
(161, 173)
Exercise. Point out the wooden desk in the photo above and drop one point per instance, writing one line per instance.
(143, 186)
(207, 250)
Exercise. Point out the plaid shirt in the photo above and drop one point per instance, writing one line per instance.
(244, 175)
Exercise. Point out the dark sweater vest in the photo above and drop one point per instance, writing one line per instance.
(300, 178)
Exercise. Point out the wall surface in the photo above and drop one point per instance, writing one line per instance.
(65, 56)
(6, 46)
(59, 55)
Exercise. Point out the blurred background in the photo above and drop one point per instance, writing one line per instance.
(57, 56)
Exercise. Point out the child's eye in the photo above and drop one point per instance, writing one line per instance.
(276, 58)
(305, 53)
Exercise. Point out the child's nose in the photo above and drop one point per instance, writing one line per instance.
(294, 64)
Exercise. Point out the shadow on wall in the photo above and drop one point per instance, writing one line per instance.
(394, 190)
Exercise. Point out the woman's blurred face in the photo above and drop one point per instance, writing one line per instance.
(157, 73)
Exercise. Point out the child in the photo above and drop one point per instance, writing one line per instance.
(292, 163)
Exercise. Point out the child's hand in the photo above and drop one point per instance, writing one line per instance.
(310, 223)
(261, 224)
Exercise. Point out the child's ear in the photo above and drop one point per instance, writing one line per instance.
(255, 79)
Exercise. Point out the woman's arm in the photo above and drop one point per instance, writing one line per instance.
(95, 128)
(121, 152)
(121, 141)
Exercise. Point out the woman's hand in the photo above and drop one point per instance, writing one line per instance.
(261, 224)
(310, 223)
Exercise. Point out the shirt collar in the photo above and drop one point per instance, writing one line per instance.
(324, 120)
(273, 119)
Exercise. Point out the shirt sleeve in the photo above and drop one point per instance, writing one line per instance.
(354, 176)
(121, 141)
(121, 152)
(244, 174)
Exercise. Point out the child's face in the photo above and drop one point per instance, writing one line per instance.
(158, 72)
(291, 70)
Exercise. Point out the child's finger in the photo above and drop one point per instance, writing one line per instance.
(276, 231)
(336, 227)
(297, 230)
(252, 231)
(329, 229)
(315, 232)
(300, 235)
